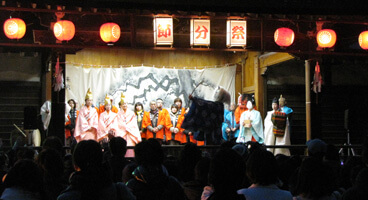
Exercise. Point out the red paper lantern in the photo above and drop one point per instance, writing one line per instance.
(326, 38)
(363, 40)
(110, 32)
(14, 28)
(64, 30)
(284, 37)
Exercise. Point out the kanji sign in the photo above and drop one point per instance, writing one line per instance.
(236, 33)
(163, 31)
(199, 32)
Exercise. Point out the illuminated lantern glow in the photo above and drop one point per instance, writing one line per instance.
(326, 38)
(163, 31)
(363, 40)
(236, 33)
(110, 32)
(284, 37)
(14, 28)
(64, 30)
(200, 32)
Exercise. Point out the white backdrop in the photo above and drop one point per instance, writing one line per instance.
(142, 84)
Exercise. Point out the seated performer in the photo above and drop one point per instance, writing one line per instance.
(87, 120)
(230, 129)
(128, 126)
(251, 127)
(272, 130)
(154, 123)
(207, 117)
(108, 122)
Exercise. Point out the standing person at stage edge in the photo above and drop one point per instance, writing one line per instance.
(154, 122)
(275, 129)
(87, 121)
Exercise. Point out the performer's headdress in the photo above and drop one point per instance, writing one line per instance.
(252, 99)
(89, 94)
(281, 98)
(122, 98)
(108, 99)
(282, 101)
(242, 100)
(274, 100)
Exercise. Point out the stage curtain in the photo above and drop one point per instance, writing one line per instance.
(143, 84)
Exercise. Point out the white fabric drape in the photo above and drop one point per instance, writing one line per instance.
(143, 84)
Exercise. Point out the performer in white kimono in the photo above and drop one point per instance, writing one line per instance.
(128, 126)
(87, 121)
(251, 127)
(270, 138)
(108, 122)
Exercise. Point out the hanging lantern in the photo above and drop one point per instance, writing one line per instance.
(64, 30)
(363, 40)
(284, 37)
(326, 38)
(14, 28)
(110, 32)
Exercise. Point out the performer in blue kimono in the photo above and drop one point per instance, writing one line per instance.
(251, 127)
(206, 117)
(230, 129)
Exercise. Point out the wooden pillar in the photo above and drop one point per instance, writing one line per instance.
(307, 100)
(258, 85)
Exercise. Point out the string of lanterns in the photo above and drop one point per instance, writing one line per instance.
(64, 30)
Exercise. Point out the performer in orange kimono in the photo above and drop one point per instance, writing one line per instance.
(87, 121)
(174, 132)
(187, 135)
(108, 122)
(128, 127)
(165, 116)
(154, 122)
(242, 107)
(181, 110)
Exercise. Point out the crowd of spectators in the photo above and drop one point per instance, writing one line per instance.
(234, 172)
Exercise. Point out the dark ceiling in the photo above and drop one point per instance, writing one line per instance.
(347, 18)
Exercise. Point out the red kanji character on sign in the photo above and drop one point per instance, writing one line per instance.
(162, 32)
(204, 31)
(238, 31)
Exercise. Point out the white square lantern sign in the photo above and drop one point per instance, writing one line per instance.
(163, 31)
(200, 32)
(236, 33)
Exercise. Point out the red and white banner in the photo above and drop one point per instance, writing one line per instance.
(236, 33)
(163, 31)
(200, 32)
